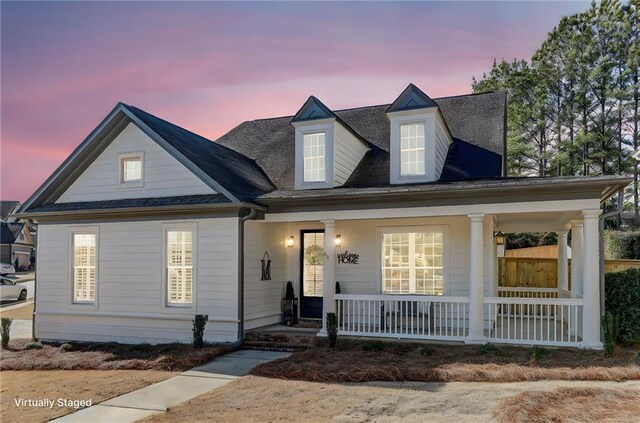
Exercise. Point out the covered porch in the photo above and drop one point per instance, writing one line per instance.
(456, 296)
(430, 272)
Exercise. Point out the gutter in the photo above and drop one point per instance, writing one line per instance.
(252, 214)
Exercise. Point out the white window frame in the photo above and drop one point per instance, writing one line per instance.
(323, 157)
(327, 126)
(397, 120)
(444, 229)
(138, 183)
(415, 149)
(180, 227)
(83, 230)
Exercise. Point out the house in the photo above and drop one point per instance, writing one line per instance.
(147, 224)
(17, 246)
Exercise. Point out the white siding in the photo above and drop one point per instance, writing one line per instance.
(263, 298)
(130, 284)
(164, 176)
(348, 152)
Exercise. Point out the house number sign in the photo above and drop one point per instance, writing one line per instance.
(348, 258)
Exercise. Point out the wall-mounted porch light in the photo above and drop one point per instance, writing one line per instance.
(499, 236)
(289, 242)
(338, 240)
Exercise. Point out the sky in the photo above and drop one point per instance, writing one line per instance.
(208, 66)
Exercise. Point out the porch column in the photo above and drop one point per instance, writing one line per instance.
(576, 258)
(329, 273)
(591, 280)
(563, 265)
(476, 281)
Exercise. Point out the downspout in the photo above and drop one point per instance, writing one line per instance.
(251, 215)
(603, 217)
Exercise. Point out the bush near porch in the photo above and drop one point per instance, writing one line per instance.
(622, 298)
(107, 356)
(365, 361)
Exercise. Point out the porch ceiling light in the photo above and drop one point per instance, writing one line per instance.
(338, 240)
(499, 236)
(289, 242)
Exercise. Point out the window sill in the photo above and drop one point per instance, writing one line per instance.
(128, 185)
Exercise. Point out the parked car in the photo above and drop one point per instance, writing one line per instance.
(9, 290)
(7, 269)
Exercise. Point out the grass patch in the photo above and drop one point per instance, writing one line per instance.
(571, 404)
(107, 356)
(404, 361)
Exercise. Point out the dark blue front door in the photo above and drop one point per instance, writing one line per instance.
(311, 273)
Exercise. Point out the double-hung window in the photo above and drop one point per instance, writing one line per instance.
(413, 262)
(314, 157)
(179, 248)
(412, 149)
(84, 248)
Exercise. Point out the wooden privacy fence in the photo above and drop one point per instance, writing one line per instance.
(543, 272)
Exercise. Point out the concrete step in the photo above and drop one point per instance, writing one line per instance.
(276, 346)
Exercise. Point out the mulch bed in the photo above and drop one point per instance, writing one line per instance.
(571, 405)
(108, 356)
(364, 361)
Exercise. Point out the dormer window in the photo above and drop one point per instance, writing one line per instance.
(131, 169)
(314, 157)
(412, 149)
(419, 138)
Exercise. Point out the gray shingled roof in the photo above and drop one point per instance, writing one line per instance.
(7, 207)
(239, 175)
(133, 202)
(477, 119)
(9, 232)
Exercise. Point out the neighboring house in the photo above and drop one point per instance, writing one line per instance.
(147, 224)
(7, 208)
(16, 245)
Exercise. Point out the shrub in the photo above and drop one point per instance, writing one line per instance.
(622, 245)
(488, 349)
(537, 353)
(199, 322)
(34, 345)
(622, 298)
(610, 326)
(427, 351)
(332, 329)
(66, 347)
(289, 294)
(373, 346)
(5, 331)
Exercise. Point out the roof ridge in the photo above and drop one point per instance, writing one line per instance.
(376, 105)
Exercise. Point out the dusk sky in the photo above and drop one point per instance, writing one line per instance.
(209, 66)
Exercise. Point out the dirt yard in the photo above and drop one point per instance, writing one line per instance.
(96, 385)
(107, 356)
(363, 361)
(24, 312)
(257, 399)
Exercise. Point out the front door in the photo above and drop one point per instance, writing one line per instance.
(311, 273)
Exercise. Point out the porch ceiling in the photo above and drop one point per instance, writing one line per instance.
(534, 221)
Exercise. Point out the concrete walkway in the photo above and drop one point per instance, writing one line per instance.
(157, 398)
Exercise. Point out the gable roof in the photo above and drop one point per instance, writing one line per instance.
(226, 171)
(313, 109)
(410, 99)
(476, 119)
(6, 208)
(9, 232)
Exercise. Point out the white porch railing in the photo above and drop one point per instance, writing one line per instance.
(524, 292)
(403, 316)
(544, 321)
